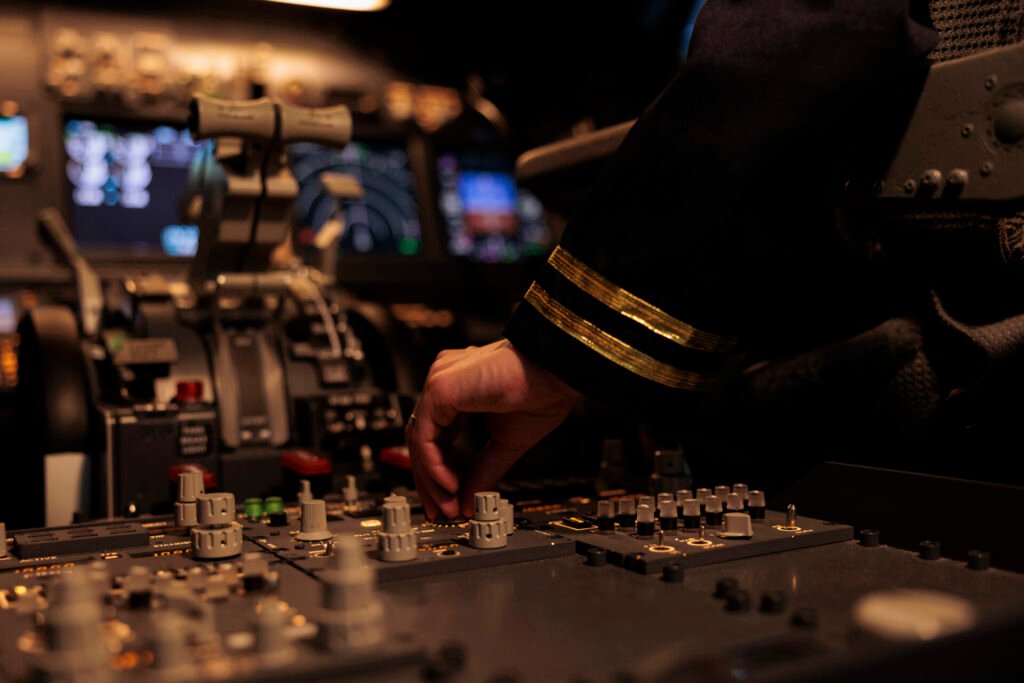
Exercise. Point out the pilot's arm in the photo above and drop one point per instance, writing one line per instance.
(710, 230)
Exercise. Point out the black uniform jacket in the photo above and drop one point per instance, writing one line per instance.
(710, 238)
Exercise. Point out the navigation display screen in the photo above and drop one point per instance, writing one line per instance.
(488, 218)
(385, 221)
(125, 180)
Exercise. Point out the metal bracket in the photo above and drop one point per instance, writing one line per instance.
(965, 139)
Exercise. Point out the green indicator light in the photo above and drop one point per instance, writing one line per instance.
(274, 504)
(409, 246)
(253, 508)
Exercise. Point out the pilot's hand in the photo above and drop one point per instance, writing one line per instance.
(522, 402)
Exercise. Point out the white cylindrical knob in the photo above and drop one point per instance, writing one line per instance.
(741, 489)
(190, 486)
(507, 512)
(100, 576)
(3, 540)
(313, 524)
(216, 542)
(485, 506)
(271, 622)
(627, 506)
(171, 655)
(349, 582)
(722, 491)
(683, 494)
(712, 504)
(486, 529)
(396, 542)
(397, 547)
(691, 507)
(185, 514)
(756, 499)
(397, 515)
(75, 648)
(702, 494)
(216, 509)
(667, 508)
(351, 615)
(734, 502)
(487, 535)
(138, 580)
(74, 615)
(737, 525)
(605, 508)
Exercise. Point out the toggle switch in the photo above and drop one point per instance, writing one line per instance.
(605, 516)
(756, 504)
(713, 510)
(627, 512)
(669, 515)
(691, 514)
(644, 520)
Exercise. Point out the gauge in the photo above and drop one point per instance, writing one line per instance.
(385, 221)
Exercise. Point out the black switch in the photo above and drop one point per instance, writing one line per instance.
(672, 573)
(596, 557)
(773, 602)
(737, 600)
(725, 586)
(929, 550)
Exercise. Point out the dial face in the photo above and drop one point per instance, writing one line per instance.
(385, 221)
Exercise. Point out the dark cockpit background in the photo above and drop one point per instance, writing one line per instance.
(444, 97)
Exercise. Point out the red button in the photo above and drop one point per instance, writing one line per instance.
(209, 478)
(397, 456)
(190, 391)
(306, 463)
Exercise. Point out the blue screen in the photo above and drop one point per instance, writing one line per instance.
(487, 216)
(486, 192)
(13, 143)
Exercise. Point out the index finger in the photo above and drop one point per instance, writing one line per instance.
(424, 435)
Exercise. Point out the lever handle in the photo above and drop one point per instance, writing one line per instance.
(330, 126)
(210, 117)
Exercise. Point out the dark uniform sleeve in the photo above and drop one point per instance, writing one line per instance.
(712, 229)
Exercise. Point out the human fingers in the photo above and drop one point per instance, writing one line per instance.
(430, 508)
(439, 503)
(424, 436)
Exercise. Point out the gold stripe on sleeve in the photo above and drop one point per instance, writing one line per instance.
(635, 308)
(613, 348)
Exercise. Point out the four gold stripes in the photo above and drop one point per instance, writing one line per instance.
(613, 348)
(635, 308)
